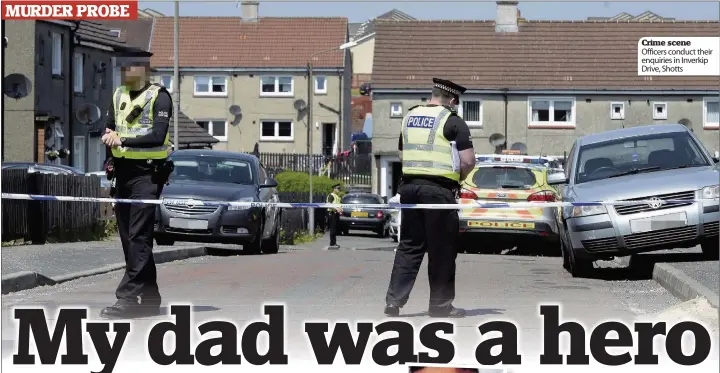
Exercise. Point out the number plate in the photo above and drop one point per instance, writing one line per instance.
(188, 223)
(359, 214)
(658, 222)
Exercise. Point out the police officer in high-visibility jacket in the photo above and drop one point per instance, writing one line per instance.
(137, 137)
(431, 173)
(334, 214)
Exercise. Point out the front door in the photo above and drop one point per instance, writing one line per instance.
(328, 136)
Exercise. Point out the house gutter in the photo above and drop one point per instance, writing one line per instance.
(329, 70)
(558, 92)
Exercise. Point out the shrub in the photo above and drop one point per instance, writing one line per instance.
(298, 182)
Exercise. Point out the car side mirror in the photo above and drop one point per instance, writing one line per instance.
(557, 178)
(269, 183)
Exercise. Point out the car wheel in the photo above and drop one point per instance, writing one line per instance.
(577, 267)
(710, 248)
(255, 246)
(272, 245)
(161, 241)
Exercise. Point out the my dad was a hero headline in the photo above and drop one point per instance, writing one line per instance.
(32, 324)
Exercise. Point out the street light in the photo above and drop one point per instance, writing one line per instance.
(311, 211)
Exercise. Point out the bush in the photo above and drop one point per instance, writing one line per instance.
(298, 182)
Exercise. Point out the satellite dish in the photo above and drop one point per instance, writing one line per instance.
(235, 110)
(300, 104)
(17, 86)
(519, 147)
(88, 114)
(497, 139)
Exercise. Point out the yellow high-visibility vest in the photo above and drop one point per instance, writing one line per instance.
(334, 199)
(425, 149)
(142, 125)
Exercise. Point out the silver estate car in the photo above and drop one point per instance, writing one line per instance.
(655, 163)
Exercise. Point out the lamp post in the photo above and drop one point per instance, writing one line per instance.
(310, 93)
(176, 76)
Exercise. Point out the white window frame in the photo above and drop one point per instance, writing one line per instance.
(78, 72)
(552, 124)
(396, 113)
(460, 108)
(612, 110)
(79, 152)
(318, 91)
(211, 81)
(277, 130)
(710, 125)
(210, 127)
(662, 116)
(170, 86)
(277, 86)
(57, 45)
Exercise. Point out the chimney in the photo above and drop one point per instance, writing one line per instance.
(250, 10)
(507, 16)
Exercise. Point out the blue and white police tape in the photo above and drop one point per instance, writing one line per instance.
(655, 203)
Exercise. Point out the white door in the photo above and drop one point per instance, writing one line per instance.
(79, 152)
(97, 158)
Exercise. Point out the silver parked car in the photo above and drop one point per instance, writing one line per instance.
(656, 163)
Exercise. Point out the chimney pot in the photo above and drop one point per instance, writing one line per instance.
(507, 16)
(250, 10)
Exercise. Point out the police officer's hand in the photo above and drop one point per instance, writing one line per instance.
(111, 138)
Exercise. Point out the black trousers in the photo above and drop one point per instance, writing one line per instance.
(423, 230)
(135, 225)
(333, 220)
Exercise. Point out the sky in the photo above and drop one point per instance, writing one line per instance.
(360, 11)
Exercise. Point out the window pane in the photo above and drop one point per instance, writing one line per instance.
(218, 84)
(166, 81)
(285, 84)
(202, 84)
(268, 129)
(471, 111)
(284, 129)
(268, 84)
(203, 124)
(540, 111)
(218, 128)
(562, 111)
(713, 112)
(320, 83)
(562, 105)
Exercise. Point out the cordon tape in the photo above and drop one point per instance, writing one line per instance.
(655, 203)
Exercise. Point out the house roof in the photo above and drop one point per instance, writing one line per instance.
(96, 32)
(135, 33)
(542, 55)
(190, 134)
(368, 27)
(267, 42)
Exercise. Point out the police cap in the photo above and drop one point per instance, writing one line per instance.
(336, 186)
(133, 57)
(449, 87)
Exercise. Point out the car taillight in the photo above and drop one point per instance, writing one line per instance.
(379, 214)
(468, 194)
(544, 196)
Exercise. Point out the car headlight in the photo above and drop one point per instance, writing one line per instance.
(710, 192)
(578, 211)
(238, 208)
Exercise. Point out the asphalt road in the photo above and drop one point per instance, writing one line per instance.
(350, 286)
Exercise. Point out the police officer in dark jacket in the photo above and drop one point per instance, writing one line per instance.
(138, 141)
(431, 174)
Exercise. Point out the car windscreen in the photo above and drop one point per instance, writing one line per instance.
(212, 169)
(503, 177)
(649, 153)
(358, 200)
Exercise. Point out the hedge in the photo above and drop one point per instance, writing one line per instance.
(298, 182)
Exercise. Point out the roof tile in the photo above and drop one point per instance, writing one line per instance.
(232, 42)
(542, 55)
